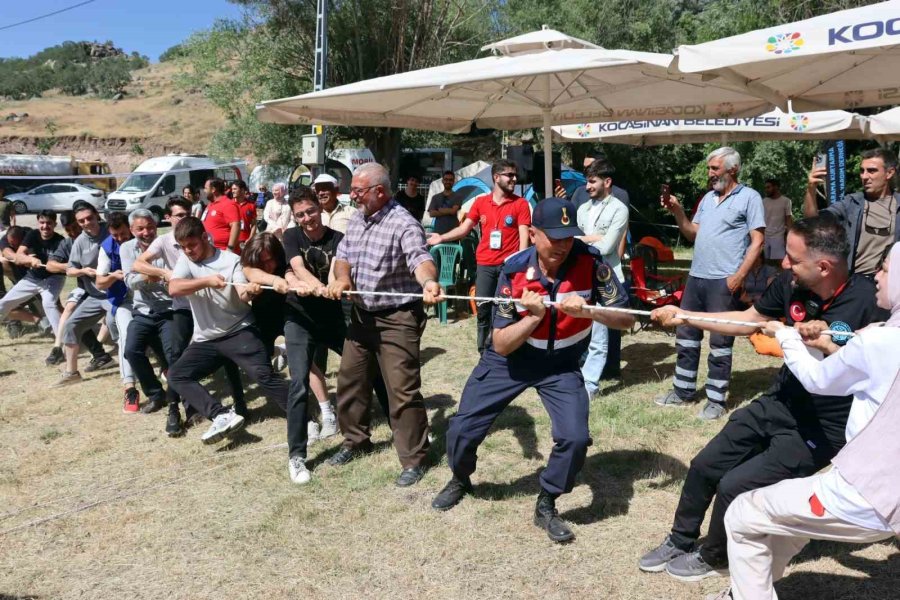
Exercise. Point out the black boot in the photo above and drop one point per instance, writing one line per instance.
(452, 493)
(547, 518)
(173, 421)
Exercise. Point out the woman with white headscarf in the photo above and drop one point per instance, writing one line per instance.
(858, 500)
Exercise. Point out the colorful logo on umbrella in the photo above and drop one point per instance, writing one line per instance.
(583, 130)
(799, 122)
(784, 43)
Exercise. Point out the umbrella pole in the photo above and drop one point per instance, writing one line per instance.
(548, 154)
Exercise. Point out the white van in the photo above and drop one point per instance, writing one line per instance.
(157, 179)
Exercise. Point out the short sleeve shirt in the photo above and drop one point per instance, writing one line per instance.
(217, 313)
(724, 233)
(317, 257)
(503, 220)
(247, 211)
(560, 340)
(851, 309)
(218, 219)
(444, 223)
(383, 250)
(17, 270)
(776, 210)
(414, 204)
(41, 249)
(85, 253)
(166, 248)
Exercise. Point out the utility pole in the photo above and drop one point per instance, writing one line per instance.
(314, 144)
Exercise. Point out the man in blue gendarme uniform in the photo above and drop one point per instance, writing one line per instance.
(538, 345)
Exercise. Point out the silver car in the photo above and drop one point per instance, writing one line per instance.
(56, 196)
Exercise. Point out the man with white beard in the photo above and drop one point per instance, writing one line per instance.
(728, 230)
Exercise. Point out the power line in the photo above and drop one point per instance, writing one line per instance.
(56, 12)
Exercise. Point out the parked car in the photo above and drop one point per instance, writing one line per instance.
(56, 196)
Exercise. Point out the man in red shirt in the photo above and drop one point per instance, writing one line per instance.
(221, 220)
(504, 219)
(246, 210)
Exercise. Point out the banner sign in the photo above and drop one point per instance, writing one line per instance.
(837, 171)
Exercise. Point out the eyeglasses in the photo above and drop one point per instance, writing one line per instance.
(511, 175)
(361, 191)
(879, 231)
(309, 213)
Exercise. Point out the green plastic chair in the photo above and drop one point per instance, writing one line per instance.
(446, 256)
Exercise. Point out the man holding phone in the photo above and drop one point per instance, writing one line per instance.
(871, 217)
(728, 234)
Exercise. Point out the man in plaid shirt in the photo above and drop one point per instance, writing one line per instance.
(383, 251)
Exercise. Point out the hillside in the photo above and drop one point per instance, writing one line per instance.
(155, 116)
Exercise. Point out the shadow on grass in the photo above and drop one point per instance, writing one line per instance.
(6, 374)
(241, 438)
(746, 385)
(13, 597)
(429, 353)
(322, 457)
(880, 581)
(515, 418)
(611, 477)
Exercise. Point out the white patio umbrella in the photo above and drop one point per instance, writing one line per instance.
(533, 80)
(885, 125)
(775, 125)
(841, 60)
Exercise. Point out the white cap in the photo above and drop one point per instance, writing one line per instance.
(325, 178)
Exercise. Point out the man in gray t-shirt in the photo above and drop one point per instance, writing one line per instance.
(728, 232)
(223, 328)
(94, 306)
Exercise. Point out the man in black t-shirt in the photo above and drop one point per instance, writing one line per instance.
(31, 256)
(310, 319)
(410, 198)
(787, 432)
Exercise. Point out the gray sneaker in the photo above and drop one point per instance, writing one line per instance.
(691, 567)
(655, 561)
(222, 425)
(670, 398)
(67, 378)
(712, 411)
(329, 427)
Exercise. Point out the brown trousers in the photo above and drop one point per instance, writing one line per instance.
(388, 340)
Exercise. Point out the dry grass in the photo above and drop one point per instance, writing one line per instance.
(224, 521)
(155, 110)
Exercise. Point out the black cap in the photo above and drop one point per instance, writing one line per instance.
(556, 218)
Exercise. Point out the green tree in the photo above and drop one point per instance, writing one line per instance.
(270, 55)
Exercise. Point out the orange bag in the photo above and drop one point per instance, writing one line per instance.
(765, 345)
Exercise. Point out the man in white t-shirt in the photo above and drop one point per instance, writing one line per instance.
(223, 328)
(777, 213)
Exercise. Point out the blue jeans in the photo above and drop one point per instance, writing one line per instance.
(596, 358)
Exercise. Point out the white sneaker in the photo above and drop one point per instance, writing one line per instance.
(312, 432)
(329, 427)
(297, 469)
(225, 423)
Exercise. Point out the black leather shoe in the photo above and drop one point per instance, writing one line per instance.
(173, 423)
(452, 493)
(345, 455)
(410, 476)
(153, 405)
(547, 518)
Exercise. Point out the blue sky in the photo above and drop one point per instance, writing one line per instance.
(147, 26)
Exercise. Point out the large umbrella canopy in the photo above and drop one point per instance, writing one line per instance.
(534, 80)
(775, 125)
(885, 124)
(840, 60)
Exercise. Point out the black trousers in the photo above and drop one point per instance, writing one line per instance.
(183, 330)
(302, 337)
(201, 359)
(758, 446)
(486, 278)
(150, 331)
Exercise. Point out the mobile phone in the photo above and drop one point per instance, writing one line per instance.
(557, 183)
(665, 191)
(821, 160)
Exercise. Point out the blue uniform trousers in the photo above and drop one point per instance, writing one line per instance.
(492, 386)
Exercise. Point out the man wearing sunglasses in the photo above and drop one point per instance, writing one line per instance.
(504, 218)
(871, 217)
